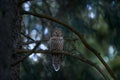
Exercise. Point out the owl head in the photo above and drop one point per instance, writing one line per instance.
(57, 32)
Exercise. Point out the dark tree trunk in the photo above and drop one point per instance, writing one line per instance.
(10, 21)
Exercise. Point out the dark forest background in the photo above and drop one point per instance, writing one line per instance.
(97, 20)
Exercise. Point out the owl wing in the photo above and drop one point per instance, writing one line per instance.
(55, 44)
(61, 43)
(52, 44)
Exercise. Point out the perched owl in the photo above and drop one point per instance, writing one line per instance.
(56, 44)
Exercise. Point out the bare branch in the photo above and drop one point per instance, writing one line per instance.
(79, 35)
(27, 36)
(21, 60)
(30, 42)
(44, 40)
(33, 41)
(81, 58)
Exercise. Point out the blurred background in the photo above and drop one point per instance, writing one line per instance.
(97, 20)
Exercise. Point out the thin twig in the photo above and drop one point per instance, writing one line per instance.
(32, 51)
(44, 40)
(27, 36)
(33, 41)
(81, 58)
(79, 35)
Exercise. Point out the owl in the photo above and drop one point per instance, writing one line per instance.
(56, 44)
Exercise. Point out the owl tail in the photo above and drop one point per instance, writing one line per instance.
(56, 62)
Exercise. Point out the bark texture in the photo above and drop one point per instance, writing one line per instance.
(10, 27)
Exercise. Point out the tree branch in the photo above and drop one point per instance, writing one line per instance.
(79, 35)
(27, 36)
(33, 41)
(44, 40)
(68, 54)
(32, 51)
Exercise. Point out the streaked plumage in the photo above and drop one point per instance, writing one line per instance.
(56, 44)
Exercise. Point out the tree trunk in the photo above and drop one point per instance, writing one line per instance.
(10, 20)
